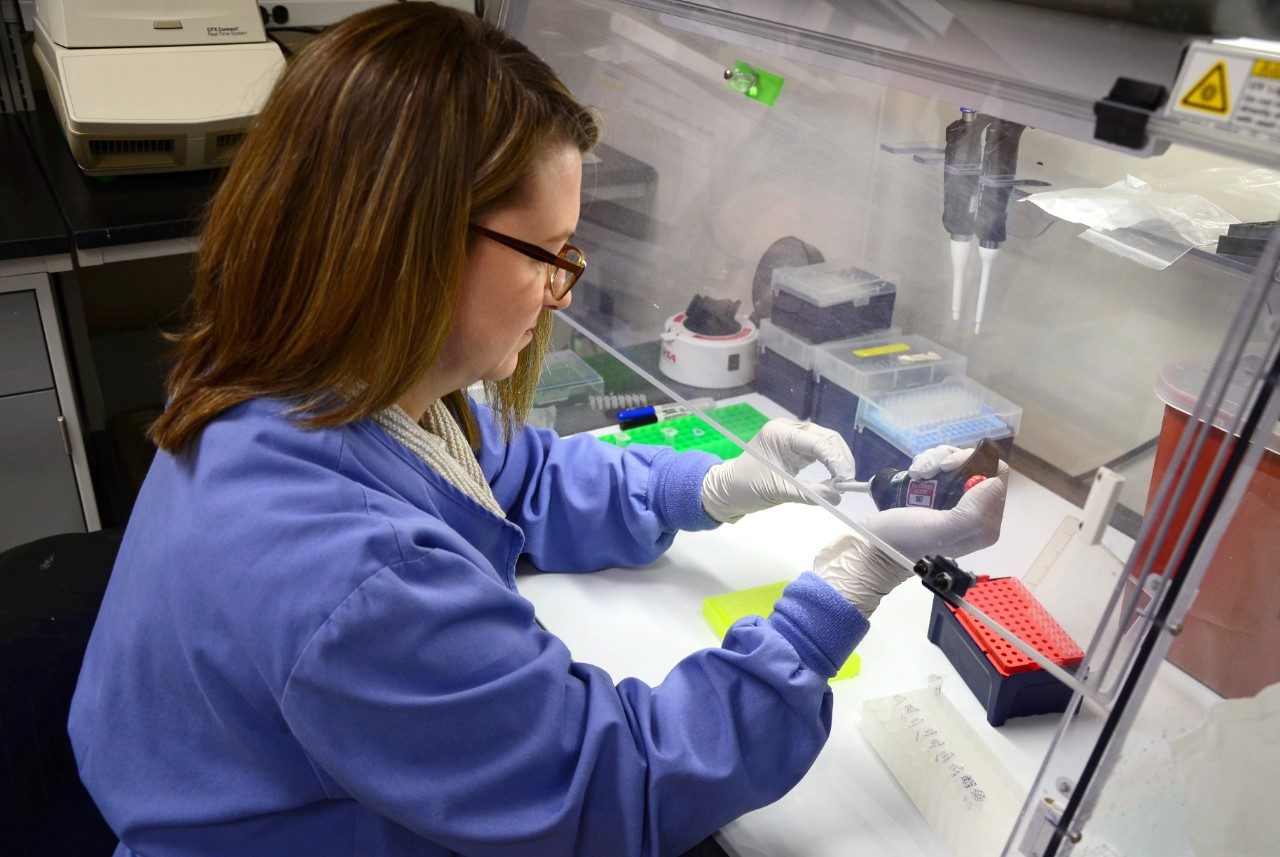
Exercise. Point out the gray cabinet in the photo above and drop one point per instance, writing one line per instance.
(38, 492)
(24, 360)
(44, 481)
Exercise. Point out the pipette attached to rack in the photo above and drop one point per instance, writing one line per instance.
(995, 187)
(961, 165)
(980, 161)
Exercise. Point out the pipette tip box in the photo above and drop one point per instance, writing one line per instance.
(894, 427)
(565, 375)
(846, 371)
(824, 302)
(1006, 681)
(784, 371)
(721, 611)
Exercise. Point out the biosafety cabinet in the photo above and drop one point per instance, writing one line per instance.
(1050, 224)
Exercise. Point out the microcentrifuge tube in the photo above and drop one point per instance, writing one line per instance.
(968, 785)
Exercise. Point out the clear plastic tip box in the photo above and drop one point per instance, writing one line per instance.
(846, 371)
(1005, 681)
(565, 375)
(825, 302)
(896, 426)
(784, 372)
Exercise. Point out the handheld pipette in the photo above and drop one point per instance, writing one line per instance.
(895, 489)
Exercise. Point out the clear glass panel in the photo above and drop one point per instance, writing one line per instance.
(746, 236)
(1188, 778)
(774, 220)
(1042, 63)
(1177, 763)
(961, 44)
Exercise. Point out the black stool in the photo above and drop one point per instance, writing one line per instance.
(50, 591)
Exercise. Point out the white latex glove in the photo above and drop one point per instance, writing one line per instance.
(744, 484)
(864, 574)
(940, 459)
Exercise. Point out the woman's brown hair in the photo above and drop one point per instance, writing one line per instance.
(331, 255)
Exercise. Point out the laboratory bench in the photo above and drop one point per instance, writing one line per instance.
(641, 621)
(31, 225)
(118, 269)
(116, 218)
(75, 232)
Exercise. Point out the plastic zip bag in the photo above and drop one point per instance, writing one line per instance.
(1153, 244)
(1136, 221)
(1228, 764)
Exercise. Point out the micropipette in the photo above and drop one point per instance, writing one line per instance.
(894, 489)
(962, 160)
(999, 165)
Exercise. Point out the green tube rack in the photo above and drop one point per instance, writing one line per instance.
(691, 432)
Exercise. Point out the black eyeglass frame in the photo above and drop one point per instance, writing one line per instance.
(533, 251)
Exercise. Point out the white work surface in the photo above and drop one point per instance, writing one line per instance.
(640, 622)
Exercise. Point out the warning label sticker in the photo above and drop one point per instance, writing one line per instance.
(1230, 87)
(1209, 92)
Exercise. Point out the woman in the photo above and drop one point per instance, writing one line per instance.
(312, 642)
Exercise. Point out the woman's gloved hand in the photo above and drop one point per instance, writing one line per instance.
(864, 574)
(743, 484)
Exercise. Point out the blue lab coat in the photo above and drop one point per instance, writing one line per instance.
(313, 644)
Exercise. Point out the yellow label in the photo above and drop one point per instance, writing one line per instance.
(881, 350)
(1209, 93)
(1266, 68)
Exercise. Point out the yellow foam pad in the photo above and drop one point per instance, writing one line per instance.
(721, 611)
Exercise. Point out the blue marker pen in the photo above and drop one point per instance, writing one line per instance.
(633, 417)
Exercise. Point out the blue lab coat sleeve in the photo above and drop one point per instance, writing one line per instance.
(623, 505)
(312, 644)
(432, 697)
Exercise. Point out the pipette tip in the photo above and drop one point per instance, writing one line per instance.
(846, 486)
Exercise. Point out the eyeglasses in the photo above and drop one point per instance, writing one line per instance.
(566, 266)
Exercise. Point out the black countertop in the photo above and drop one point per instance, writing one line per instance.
(30, 224)
(115, 210)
